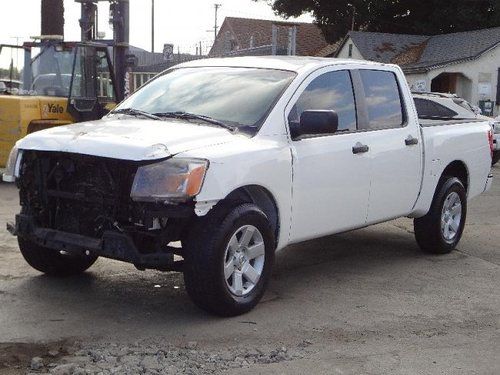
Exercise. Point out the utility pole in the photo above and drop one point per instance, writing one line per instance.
(216, 28)
(152, 26)
(18, 38)
(353, 15)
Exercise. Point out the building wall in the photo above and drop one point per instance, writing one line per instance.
(481, 73)
(225, 42)
(344, 52)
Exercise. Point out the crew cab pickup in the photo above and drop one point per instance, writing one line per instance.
(222, 162)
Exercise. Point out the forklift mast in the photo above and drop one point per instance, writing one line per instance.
(119, 18)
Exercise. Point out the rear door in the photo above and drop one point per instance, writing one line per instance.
(395, 145)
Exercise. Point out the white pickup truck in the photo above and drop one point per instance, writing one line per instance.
(237, 158)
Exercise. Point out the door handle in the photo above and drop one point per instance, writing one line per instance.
(360, 148)
(411, 141)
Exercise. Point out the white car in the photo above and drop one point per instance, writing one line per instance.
(238, 158)
(496, 140)
(434, 105)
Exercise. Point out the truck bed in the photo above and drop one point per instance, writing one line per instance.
(446, 141)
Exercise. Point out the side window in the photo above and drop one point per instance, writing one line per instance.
(330, 91)
(383, 101)
(84, 76)
(429, 108)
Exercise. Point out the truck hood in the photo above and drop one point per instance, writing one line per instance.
(128, 138)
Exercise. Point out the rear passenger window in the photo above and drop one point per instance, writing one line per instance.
(383, 100)
(330, 91)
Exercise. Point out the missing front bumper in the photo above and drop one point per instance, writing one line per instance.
(112, 245)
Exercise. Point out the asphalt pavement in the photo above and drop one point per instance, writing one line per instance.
(367, 301)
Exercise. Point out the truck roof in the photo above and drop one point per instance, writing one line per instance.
(291, 63)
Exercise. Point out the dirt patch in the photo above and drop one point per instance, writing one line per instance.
(15, 358)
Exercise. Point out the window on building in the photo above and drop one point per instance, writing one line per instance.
(330, 91)
(141, 78)
(350, 50)
(383, 99)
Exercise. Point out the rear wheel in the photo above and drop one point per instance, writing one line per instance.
(228, 259)
(53, 262)
(440, 230)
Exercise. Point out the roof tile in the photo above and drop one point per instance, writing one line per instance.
(424, 52)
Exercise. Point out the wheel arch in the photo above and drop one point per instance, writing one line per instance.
(262, 198)
(432, 182)
(458, 169)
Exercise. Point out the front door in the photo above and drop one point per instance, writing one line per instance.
(92, 93)
(331, 174)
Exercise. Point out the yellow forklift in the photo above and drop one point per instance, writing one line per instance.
(65, 82)
(61, 83)
(51, 82)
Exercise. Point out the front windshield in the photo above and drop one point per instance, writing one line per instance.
(238, 96)
(464, 104)
(52, 70)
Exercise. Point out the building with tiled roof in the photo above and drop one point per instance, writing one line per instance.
(465, 63)
(246, 36)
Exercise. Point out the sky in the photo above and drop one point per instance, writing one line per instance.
(184, 23)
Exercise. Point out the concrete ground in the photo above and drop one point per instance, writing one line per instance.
(362, 302)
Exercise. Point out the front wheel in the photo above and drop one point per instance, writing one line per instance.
(440, 230)
(53, 262)
(228, 259)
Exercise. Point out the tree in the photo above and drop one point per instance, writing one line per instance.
(10, 74)
(425, 17)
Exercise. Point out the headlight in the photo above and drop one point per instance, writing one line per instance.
(174, 180)
(13, 164)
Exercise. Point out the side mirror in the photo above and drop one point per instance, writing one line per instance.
(315, 122)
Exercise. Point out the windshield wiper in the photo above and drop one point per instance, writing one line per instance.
(135, 112)
(192, 116)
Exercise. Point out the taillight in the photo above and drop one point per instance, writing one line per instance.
(490, 140)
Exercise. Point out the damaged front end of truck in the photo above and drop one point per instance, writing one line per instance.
(92, 206)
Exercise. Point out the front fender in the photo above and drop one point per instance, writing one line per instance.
(265, 163)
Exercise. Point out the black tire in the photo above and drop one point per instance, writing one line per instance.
(496, 157)
(428, 231)
(205, 256)
(51, 262)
